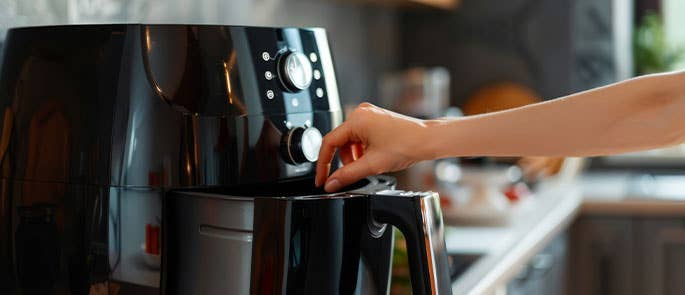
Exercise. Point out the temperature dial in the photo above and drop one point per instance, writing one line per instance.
(295, 71)
(301, 145)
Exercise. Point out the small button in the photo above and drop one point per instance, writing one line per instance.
(270, 94)
(317, 75)
(295, 102)
(268, 75)
(266, 56)
(319, 92)
(313, 57)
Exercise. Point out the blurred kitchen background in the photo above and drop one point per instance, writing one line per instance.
(611, 225)
(548, 48)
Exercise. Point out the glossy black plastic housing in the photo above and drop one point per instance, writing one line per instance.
(105, 126)
(419, 218)
(157, 105)
(99, 121)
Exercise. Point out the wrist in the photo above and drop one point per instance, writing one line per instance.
(433, 142)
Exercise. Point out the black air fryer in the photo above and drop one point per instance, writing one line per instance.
(178, 159)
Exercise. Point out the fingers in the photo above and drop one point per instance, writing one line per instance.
(346, 153)
(357, 150)
(333, 140)
(349, 174)
(322, 171)
(343, 138)
(350, 152)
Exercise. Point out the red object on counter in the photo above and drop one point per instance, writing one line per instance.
(517, 191)
(152, 239)
(445, 202)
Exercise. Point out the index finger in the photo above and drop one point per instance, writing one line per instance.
(331, 142)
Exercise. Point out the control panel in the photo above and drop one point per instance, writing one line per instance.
(289, 69)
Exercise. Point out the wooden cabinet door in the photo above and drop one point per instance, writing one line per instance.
(601, 256)
(660, 250)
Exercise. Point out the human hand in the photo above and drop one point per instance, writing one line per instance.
(372, 141)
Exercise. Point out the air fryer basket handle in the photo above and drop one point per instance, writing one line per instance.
(418, 217)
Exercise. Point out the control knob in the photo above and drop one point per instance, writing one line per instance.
(301, 145)
(295, 71)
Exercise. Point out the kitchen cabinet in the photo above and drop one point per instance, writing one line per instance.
(661, 256)
(627, 255)
(546, 271)
(601, 256)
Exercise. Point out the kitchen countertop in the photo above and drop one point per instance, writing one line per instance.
(507, 249)
(633, 194)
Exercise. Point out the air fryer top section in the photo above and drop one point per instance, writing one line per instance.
(240, 70)
(165, 105)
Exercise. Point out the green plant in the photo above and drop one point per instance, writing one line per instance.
(651, 49)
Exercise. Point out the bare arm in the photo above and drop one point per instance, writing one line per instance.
(641, 113)
(637, 114)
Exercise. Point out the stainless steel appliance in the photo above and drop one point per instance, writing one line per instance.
(178, 159)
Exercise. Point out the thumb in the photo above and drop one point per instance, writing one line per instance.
(349, 174)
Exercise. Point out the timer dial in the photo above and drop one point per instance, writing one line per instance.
(295, 71)
(301, 145)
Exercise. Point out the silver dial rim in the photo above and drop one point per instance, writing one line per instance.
(298, 70)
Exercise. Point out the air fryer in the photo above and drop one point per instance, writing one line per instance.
(179, 159)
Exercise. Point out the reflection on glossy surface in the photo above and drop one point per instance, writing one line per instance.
(6, 132)
(110, 131)
(125, 109)
(37, 243)
(418, 217)
(98, 121)
(292, 238)
(314, 243)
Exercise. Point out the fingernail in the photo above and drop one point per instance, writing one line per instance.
(332, 185)
(316, 182)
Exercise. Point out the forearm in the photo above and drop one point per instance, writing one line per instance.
(641, 113)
